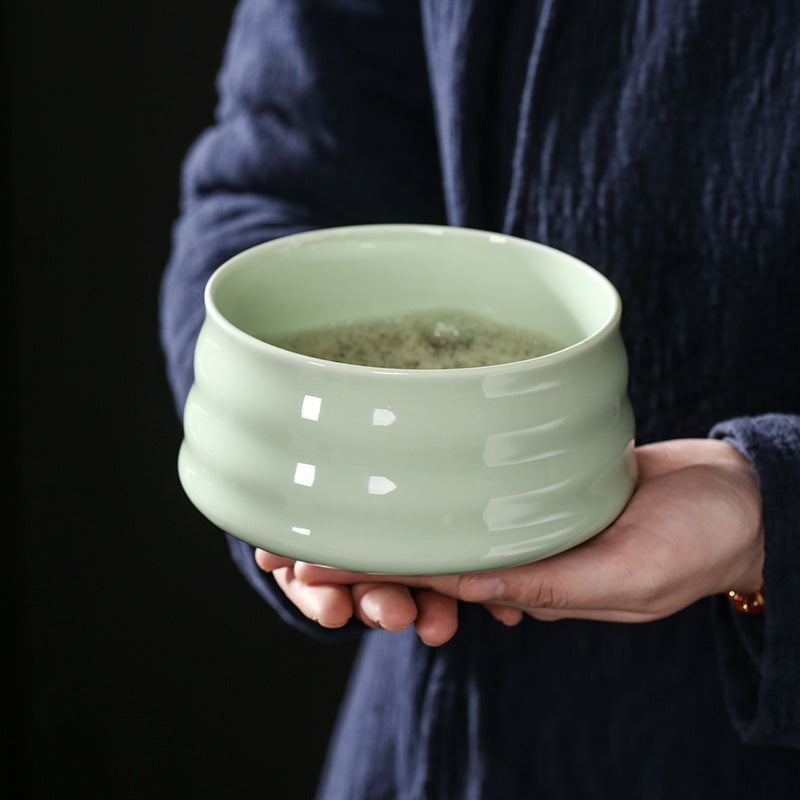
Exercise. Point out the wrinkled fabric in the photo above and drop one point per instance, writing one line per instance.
(657, 141)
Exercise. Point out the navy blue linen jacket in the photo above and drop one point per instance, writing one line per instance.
(657, 141)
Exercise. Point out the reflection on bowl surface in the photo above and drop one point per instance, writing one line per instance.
(408, 471)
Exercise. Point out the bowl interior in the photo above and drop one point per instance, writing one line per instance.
(342, 275)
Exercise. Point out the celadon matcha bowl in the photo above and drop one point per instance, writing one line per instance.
(408, 471)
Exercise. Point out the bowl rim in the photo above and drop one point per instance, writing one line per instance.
(605, 330)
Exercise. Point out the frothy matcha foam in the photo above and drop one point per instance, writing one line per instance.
(439, 339)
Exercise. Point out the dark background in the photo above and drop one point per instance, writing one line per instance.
(143, 665)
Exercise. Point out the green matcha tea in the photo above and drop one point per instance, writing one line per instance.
(440, 339)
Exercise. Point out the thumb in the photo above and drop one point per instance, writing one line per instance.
(592, 577)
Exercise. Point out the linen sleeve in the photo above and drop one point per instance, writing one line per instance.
(324, 118)
(760, 656)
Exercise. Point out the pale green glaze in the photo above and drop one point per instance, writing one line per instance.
(408, 471)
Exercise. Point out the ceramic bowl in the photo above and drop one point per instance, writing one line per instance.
(398, 470)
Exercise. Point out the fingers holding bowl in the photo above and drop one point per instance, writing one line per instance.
(269, 561)
(383, 605)
(331, 606)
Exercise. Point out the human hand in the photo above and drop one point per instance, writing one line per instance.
(693, 528)
(378, 603)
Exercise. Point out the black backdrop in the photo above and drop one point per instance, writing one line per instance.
(144, 665)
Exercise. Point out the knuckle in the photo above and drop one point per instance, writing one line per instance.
(542, 594)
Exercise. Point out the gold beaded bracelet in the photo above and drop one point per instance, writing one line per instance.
(752, 603)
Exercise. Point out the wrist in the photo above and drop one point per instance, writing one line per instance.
(747, 588)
